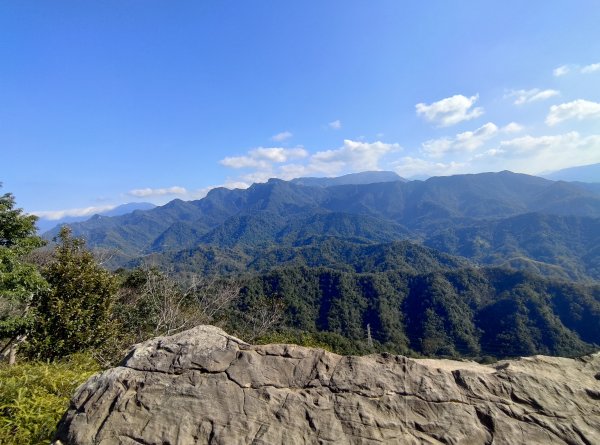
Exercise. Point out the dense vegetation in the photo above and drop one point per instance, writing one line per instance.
(35, 394)
(353, 268)
(466, 312)
(19, 280)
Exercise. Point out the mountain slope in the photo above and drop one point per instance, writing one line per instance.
(564, 246)
(468, 311)
(583, 173)
(351, 179)
(286, 213)
(353, 255)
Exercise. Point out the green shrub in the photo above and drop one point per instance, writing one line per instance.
(307, 339)
(34, 396)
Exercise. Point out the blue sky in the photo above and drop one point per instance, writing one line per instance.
(108, 102)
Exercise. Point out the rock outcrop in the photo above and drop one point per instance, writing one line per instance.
(204, 386)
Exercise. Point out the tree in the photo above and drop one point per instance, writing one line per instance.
(75, 312)
(154, 303)
(19, 280)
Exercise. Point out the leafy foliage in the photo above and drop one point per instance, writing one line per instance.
(74, 313)
(467, 312)
(19, 280)
(34, 395)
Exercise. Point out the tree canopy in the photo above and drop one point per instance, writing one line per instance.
(74, 313)
(19, 280)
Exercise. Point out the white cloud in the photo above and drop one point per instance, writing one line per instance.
(490, 153)
(436, 148)
(578, 109)
(591, 68)
(258, 176)
(278, 154)
(472, 140)
(410, 167)
(148, 192)
(512, 127)
(587, 69)
(290, 171)
(537, 154)
(53, 215)
(450, 111)
(353, 156)
(530, 143)
(263, 158)
(292, 163)
(467, 141)
(280, 137)
(561, 71)
(243, 162)
(533, 95)
(336, 125)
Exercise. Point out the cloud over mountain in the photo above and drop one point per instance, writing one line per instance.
(148, 192)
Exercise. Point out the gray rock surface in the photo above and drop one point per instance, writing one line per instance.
(204, 386)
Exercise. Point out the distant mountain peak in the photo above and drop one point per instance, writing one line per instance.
(584, 173)
(367, 177)
(45, 224)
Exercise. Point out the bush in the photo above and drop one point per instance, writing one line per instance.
(34, 396)
(74, 313)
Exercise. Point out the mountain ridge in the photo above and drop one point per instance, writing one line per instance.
(45, 224)
(283, 212)
(584, 173)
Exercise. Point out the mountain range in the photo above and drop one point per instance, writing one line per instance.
(491, 264)
(516, 220)
(45, 224)
(585, 173)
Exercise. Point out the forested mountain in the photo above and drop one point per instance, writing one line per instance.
(472, 312)
(353, 178)
(351, 255)
(408, 262)
(492, 218)
(561, 246)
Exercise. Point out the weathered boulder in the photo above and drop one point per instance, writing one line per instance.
(204, 386)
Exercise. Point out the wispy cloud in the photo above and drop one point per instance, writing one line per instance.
(280, 137)
(450, 111)
(578, 109)
(351, 156)
(536, 154)
(466, 141)
(53, 215)
(512, 127)
(526, 154)
(566, 69)
(263, 158)
(590, 68)
(335, 125)
(150, 192)
(411, 167)
(534, 95)
(561, 70)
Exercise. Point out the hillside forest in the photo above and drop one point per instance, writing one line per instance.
(481, 267)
